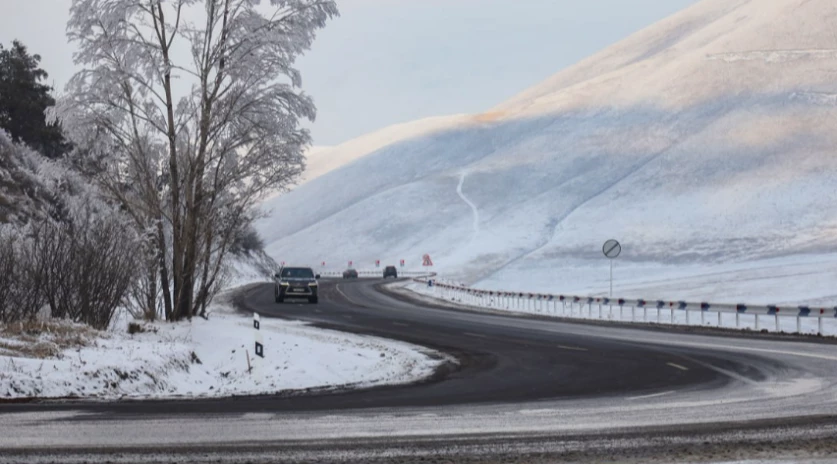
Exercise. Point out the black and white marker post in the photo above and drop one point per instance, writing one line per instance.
(611, 250)
(257, 359)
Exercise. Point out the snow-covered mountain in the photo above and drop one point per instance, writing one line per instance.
(706, 138)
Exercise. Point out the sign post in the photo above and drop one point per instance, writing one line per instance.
(611, 249)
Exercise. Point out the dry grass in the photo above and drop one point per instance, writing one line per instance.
(44, 339)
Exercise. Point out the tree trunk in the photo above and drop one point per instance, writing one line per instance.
(179, 278)
(164, 272)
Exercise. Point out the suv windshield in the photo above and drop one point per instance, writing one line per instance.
(297, 273)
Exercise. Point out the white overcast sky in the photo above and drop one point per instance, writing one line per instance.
(390, 61)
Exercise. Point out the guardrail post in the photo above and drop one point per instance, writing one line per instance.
(702, 318)
(600, 310)
(590, 310)
(633, 313)
(688, 318)
(672, 314)
(798, 325)
(819, 325)
(621, 313)
(777, 323)
(719, 319)
(757, 321)
(644, 313)
(737, 319)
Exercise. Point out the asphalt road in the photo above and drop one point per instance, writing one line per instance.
(496, 362)
(522, 388)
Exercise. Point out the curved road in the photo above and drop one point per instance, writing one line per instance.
(522, 388)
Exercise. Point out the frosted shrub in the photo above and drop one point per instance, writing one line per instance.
(21, 295)
(88, 264)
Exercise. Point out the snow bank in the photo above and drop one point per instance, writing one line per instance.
(209, 359)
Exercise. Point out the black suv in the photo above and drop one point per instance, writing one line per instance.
(390, 271)
(296, 282)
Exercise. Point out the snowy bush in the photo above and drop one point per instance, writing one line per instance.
(88, 264)
(63, 245)
(21, 295)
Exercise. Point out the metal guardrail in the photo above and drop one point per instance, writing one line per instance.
(380, 273)
(492, 299)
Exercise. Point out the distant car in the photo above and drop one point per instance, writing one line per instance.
(390, 271)
(350, 273)
(296, 282)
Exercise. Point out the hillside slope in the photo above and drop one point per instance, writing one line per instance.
(704, 139)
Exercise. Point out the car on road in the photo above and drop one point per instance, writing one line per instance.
(390, 271)
(296, 282)
(350, 273)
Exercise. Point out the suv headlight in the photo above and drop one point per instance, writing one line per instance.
(313, 284)
(281, 283)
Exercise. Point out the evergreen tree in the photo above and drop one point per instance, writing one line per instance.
(23, 100)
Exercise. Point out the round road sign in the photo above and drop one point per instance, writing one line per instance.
(612, 248)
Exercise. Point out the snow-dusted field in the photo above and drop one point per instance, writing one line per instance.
(792, 280)
(209, 359)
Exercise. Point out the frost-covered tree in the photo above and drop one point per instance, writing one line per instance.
(189, 112)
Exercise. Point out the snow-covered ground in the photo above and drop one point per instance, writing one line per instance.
(703, 143)
(201, 358)
(205, 358)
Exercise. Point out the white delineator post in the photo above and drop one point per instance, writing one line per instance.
(259, 347)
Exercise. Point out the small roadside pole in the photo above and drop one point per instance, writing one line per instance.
(611, 249)
(259, 349)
